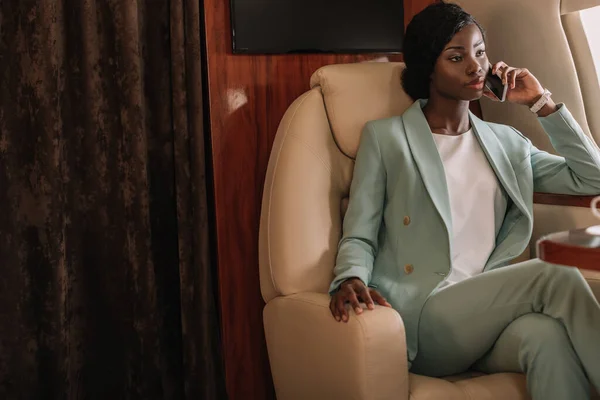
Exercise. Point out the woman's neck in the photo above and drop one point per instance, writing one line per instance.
(447, 116)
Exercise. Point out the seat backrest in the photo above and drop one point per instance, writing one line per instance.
(584, 38)
(310, 170)
(545, 36)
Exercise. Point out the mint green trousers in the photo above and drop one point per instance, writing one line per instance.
(531, 317)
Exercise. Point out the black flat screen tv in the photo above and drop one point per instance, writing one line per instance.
(317, 26)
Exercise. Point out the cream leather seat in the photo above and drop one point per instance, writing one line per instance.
(549, 38)
(305, 196)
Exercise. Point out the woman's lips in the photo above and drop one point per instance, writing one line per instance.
(477, 85)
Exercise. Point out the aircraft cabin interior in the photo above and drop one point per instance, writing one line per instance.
(251, 199)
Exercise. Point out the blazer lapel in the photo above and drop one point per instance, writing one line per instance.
(498, 160)
(428, 161)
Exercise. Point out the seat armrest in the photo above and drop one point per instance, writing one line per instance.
(562, 199)
(315, 357)
(593, 279)
(554, 218)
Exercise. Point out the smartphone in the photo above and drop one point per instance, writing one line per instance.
(493, 84)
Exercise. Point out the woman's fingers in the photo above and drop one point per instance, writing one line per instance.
(354, 301)
(505, 71)
(495, 68)
(509, 75)
(498, 67)
(333, 309)
(502, 70)
(523, 84)
(341, 308)
(354, 293)
(366, 297)
(375, 295)
(515, 74)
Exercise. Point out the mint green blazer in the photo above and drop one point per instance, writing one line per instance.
(398, 173)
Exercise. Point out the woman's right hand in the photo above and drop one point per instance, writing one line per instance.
(353, 291)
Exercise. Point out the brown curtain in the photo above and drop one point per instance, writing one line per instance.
(106, 287)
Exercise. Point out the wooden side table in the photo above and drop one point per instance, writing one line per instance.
(577, 248)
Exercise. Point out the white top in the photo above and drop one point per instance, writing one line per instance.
(475, 194)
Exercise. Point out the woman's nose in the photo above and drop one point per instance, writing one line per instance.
(474, 67)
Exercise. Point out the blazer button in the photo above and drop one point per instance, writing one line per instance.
(408, 269)
(407, 220)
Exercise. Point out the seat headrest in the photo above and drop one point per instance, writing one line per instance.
(570, 6)
(357, 93)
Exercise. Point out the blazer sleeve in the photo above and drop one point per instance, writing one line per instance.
(358, 246)
(577, 169)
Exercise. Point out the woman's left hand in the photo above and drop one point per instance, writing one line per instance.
(523, 87)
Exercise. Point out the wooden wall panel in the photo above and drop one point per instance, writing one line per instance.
(248, 95)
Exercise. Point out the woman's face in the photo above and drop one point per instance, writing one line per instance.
(460, 70)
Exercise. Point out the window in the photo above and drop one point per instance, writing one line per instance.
(591, 24)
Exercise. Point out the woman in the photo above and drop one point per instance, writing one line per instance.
(441, 202)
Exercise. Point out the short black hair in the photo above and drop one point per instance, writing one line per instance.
(426, 36)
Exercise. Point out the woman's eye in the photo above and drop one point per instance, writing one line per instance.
(455, 58)
(480, 53)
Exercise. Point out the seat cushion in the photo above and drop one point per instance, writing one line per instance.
(469, 386)
(472, 386)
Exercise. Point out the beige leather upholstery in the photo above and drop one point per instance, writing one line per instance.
(350, 105)
(548, 38)
(556, 218)
(305, 194)
(587, 68)
(471, 386)
(315, 357)
(301, 218)
(530, 34)
(306, 180)
(570, 6)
